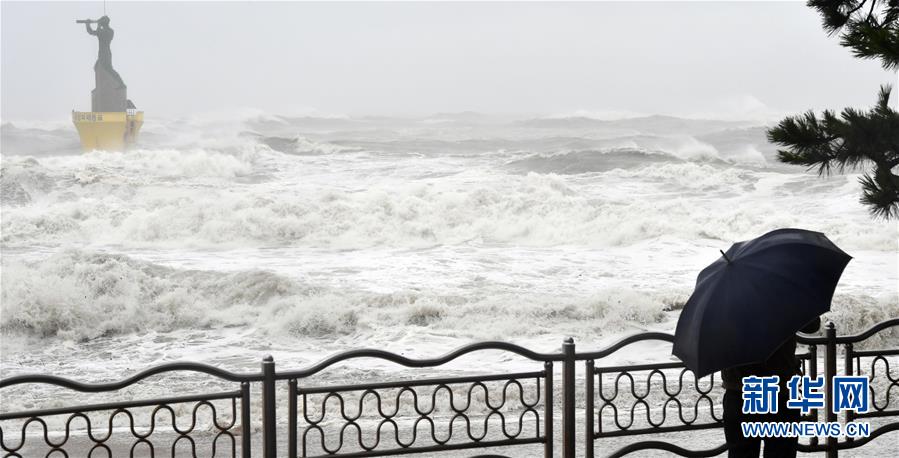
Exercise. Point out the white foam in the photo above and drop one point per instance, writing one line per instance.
(83, 295)
(168, 198)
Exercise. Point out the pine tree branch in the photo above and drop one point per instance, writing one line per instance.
(880, 194)
(849, 140)
(871, 11)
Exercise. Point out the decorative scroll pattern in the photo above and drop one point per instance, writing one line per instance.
(884, 385)
(121, 432)
(667, 398)
(420, 416)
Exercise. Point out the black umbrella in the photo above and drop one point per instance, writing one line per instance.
(755, 297)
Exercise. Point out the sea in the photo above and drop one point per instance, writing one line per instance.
(226, 237)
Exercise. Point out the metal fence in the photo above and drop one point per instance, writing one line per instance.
(501, 412)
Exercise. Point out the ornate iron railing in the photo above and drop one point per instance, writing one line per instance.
(143, 437)
(456, 413)
(414, 415)
(483, 423)
(853, 365)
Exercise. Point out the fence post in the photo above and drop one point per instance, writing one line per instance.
(588, 415)
(548, 399)
(269, 437)
(830, 369)
(568, 419)
(847, 352)
(813, 373)
(292, 418)
(245, 427)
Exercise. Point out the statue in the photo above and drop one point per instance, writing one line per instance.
(110, 92)
(113, 123)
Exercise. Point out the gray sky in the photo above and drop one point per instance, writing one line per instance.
(732, 60)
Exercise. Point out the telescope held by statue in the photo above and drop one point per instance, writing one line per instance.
(85, 21)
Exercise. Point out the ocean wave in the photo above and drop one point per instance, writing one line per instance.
(38, 139)
(135, 168)
(20, 179)
(655, 124)
(83, 295)
(304, 146)
(853, 314)
(682, 200)
(694, 176)
(577, 162)
(157, 163)
(633, 152)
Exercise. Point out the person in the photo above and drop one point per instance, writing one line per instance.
(785, 365)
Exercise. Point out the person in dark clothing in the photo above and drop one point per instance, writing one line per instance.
(785, 365)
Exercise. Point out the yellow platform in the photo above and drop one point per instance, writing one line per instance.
(109, 131)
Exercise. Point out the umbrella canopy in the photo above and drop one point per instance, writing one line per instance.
(755, 297)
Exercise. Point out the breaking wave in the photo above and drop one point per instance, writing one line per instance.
(304, 146)
(20, 180)
(81, 295)
(210, 199)
(637, 152)
(577, 162)
(853, 314)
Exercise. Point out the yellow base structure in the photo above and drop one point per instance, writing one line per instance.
(109, 131)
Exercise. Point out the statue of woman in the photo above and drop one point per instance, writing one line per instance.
(104, 35)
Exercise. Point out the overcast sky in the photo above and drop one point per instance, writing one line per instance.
(709, 59)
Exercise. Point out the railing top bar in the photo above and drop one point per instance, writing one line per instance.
(810, 340)
(421, 382)
(410, 362)
(599, 354)
(850, 338)
(112, 386)
(120, 405)
(392, 357)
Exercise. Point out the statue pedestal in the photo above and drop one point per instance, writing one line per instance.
(108, 131)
